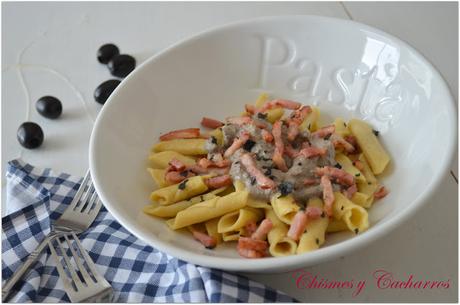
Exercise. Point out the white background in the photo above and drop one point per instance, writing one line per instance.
(39, 38)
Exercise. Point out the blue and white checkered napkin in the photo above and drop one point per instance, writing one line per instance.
(137, 272)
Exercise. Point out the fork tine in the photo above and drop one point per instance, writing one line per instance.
(85, 197)
(89, 261)
(96, 207)
(75, 277)
(76, 257)
(62, 274)
(90, 203)
(80, 190)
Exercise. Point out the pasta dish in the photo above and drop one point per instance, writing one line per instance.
(272, 179)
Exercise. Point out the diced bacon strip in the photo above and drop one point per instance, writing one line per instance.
(175, 165)
(178, 176)
(312, 151)
(280, 103)
(264, 228)
(340, 175)
(252, 244)
(349, 192)
(295, 121)
(313, 212)
(189, 133)
(323, 132)
(298, 225)
(328, 194)
(251, 109)
(267, 136)
(381, 192)
(341, 142)
(290, 151)
(239, 120)
(250, 228)
(279, 147)
(219, 181)
(352, 140)
(249, 253)
(201, 170)
(237, 143)
(359, 165)
(211, 123)
(208, 241)
(310, 181)
(263, 181)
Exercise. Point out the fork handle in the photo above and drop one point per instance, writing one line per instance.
(31, 259)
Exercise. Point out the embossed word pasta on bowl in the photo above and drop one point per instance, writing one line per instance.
(346, 68)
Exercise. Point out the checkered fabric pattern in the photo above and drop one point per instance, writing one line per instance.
(136, 271)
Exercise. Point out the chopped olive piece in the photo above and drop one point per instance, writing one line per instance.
(249, 145)
(338, 166)
(182, 184)
(213, 140)
(285, 188)
(376, 132)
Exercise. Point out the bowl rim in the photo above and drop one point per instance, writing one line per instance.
(274, 263)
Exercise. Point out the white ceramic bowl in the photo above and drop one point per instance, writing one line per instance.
(347, 68)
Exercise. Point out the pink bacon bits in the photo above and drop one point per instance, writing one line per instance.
(264, 228)
(279, 147)
(381, 192)
(219, 181)
(251, 248)
(349, 192)
(189, 133)
(238, 142)
(310, 181)
(341, 142)
(312, 151)
(206, 240)
(251, 109)
(295, 121)
(176, 176)
(280, 103)
(263, 181)
(267, 136)
(290, 151)
(211, 123)
(203, 162)
(299, 222)
(175, 165)
(324, 131)
(339, 175)
(328, 195)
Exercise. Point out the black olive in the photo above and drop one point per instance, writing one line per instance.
(30, 135)
(49, 107)
(249, 145)
(103, 91)
(182, 185)
(285, 188)
(338, 166)
(121, 65)
(107, 52)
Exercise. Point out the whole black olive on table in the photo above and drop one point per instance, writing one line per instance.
(107, 52)
(30, 135)
(103, 91)
(49, 107)
(121, 65)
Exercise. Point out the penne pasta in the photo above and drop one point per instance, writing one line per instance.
(174, 193)
(341, 127)
(335, 225)
(211, 229)
(261, 100)
(315, 231)
(284, 207)
(280, 244)
(311, 121)
(158, 176)
(353, 215)
(210, 209)
(184, 146)
(375, 154)
(348, 166)
(367, 172)
(362, 199)
(160, 160)
(236, 220)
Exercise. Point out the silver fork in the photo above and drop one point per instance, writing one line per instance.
(82, 282)
(76, 218)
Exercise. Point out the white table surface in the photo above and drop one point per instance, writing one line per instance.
(65, 37)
